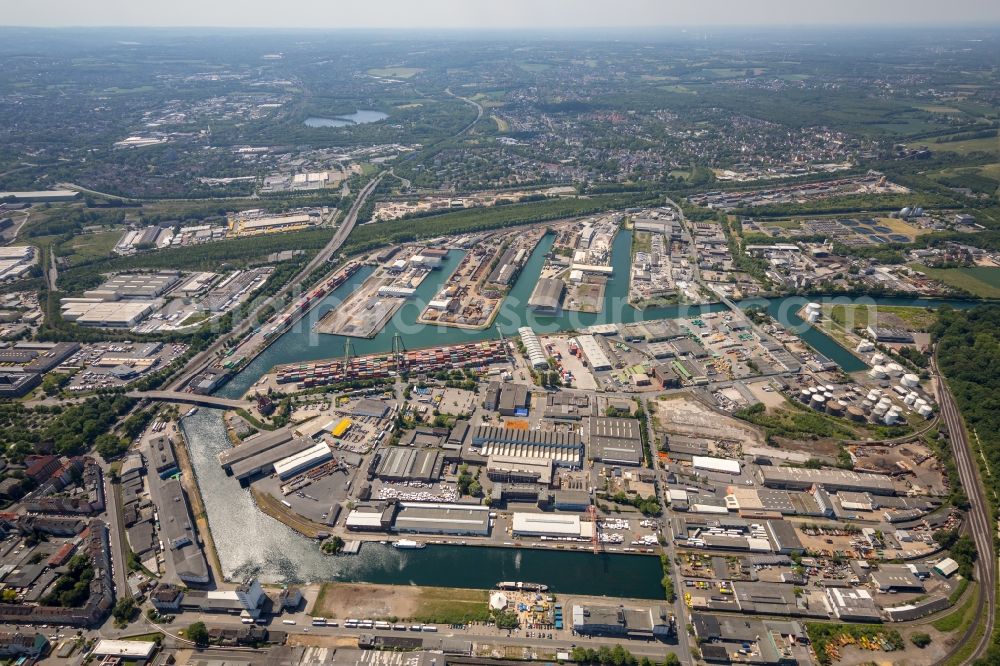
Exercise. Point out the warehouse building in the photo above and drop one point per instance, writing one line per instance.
(618, 621)
(896, 578)
(179, 536)
(783, 537)
(592, 350)
(303, 460)
(430, 518)
(550, 526)
(253, 446)
(143, 286)
(652, 331)
(533, 348)
(40, 196)
(404, 463)
(547, 295)
(264, 462)
(370, 517)
(101, 314)
(563, 448)
(564, 406)
(853, 605)
(514, 400)
(833, 480)
(502, 469)
(719, 465)
(615, 441)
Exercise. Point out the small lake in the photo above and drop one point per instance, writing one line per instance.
(357, 118)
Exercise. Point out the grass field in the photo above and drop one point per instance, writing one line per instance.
(435, 605)
(502, 125)
(915, 319)
(982, 281)
(87, 247)
(395, 72)
(900, 227)
(451, 606)
(988, 144)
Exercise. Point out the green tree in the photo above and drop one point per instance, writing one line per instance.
(198, 633)
(921, 639)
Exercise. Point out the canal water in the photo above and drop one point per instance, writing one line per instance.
(252, 543)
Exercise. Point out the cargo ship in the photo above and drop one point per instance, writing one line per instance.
(522, 587)
(408, 544)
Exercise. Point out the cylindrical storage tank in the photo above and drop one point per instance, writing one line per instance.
(829, 387)
(805, 395)
(874, 395)
(878, 358)
(886, 402)
(855, 413)
(812, 316)
(828, 395)
(879, 410)
(877, 372)
(890, 418)
(865, 346)
(818, 401)
(814, 307)
(866, 406)
(919, 402)
(925, 411)
(894, 369)
(834, 408)
(909, 399)
(910, 380)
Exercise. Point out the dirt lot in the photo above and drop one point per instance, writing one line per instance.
(683, 415)
(425, 604)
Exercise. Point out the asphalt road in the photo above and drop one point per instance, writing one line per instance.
(978, 524)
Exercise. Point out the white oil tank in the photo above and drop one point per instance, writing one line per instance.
(911, 380)
(877, 372)
(878, 358)
(865, 346)
(894, 369)
(818, 401)
(925, 411)
(910, 399)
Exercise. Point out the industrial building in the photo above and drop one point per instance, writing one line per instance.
(633, 623)
(430, 518)
(101, 314)
(564, 449)
(514, 399)
(140, 286)
(547, 295)
(592, 350)
(896, 578)
(801, 478)
(405, 463)
(615, 441)
(550, 526)
(17, 384)
(179, 535)
(40, 196)
(302, 460)
(533, 348)
(502, 469)
(720, 465)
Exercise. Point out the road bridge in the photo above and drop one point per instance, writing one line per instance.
(190, 399)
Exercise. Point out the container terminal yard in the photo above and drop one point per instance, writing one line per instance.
(377, 366)
(397, 277)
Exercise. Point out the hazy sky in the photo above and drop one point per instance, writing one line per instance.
(491, 13)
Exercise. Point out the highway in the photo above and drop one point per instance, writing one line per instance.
(204, 358)
(977, 521)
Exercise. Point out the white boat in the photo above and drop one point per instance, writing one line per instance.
(408, 544)
(192, 411)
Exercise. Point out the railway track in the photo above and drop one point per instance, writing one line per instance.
(978, 525)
